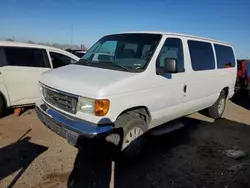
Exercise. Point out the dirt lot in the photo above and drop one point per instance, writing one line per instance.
(33, 156)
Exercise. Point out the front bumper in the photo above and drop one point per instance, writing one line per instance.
(70, 128)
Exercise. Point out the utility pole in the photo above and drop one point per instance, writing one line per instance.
(71, 36)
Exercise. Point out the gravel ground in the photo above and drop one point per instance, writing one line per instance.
(194, 156)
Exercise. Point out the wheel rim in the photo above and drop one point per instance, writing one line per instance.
(221, 106)
(132, 135)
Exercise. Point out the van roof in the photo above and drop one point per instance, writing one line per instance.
(28, 45)
(176, 34)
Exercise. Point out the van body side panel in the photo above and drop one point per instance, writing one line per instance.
(159, 99)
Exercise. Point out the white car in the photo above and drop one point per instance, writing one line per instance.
(21, 66)
(152, 79)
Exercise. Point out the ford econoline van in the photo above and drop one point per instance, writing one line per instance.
(21, 65)
(144, 80)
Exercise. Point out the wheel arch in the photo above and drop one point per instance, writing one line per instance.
(143, 111)
(226, 90)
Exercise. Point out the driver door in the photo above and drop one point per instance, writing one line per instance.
(171, 88)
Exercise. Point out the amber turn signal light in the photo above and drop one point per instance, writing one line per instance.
(101, 107)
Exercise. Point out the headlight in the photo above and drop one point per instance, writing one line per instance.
(86, 105)
(91, 106)
(42, 91)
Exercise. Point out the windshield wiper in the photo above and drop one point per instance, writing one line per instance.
(87, 62)
(117, 65)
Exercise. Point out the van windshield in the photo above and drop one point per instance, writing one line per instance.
(125, 52)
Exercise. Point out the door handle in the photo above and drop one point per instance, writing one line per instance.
(185, 88)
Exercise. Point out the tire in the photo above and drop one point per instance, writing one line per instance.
(125, 125)
(218, 108)
(2, 105)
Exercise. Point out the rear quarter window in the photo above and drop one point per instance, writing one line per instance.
(202, 55)
(225, 56)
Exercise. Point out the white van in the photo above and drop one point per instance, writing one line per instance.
(21, 66)
(152, 78)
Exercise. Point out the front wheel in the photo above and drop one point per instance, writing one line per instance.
(218, 108)
(133, 127)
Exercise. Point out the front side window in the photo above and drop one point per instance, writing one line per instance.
(28, 57)
(202, 55)
(125, 52)
(225, 56)
(59, 60)
(172, 49)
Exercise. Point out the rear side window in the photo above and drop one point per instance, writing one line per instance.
(202, 55)
(225, 56)
(28, 57)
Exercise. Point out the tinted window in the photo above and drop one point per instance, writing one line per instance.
(29, 57)
(172, 49)
(59, 60)
(202, 56)
(225, 56)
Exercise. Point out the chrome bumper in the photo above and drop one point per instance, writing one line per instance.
(70, 128)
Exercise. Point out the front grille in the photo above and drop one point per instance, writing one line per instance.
(60, 100)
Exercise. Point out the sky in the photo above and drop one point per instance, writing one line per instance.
(84, 22)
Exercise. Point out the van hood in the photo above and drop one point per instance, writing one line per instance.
(83, 80)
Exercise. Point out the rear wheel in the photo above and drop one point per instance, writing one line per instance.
(217, 110)
(130, 140)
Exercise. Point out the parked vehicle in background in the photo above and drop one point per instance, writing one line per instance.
(21, 65)
(78, 53)
(151, 78)
(243, 74)
(248, 74)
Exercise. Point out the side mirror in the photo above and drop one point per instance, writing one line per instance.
(170, 65)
